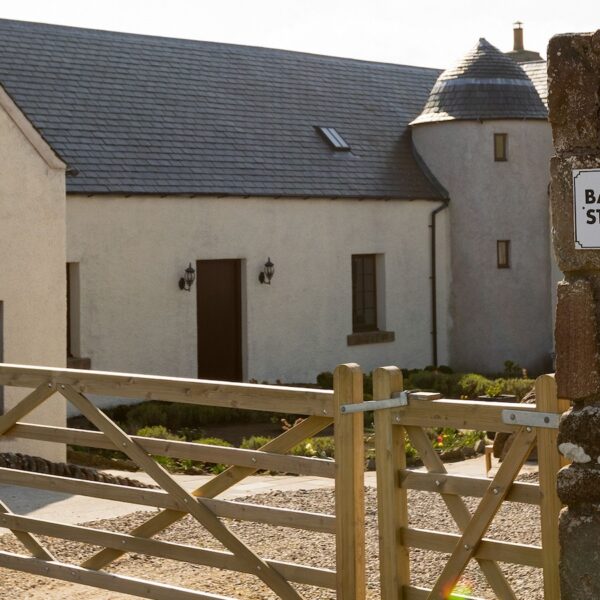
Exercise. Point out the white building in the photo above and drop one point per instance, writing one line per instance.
(222, 157)
(32, 273)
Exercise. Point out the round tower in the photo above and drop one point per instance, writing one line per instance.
(484, 135)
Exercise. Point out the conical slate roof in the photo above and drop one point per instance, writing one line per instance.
(486, 84)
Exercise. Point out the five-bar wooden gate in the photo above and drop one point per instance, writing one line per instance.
(321, 408)
(530, 423)
(397, 417)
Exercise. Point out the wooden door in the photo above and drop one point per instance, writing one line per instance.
(219, 307)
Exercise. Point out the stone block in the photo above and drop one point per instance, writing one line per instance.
(568, 257)
(579, 485)
(579, 532)
(577, 361)
(579, 438)
(573, 102)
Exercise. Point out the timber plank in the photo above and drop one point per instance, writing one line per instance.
(459, 511)
(270, 398)
(458, 414)
(299, 465)
(419, 593)
(349, 485)
(228, 478)
(199, 511)
(38, 396)
(520, 554)
(481, 519)
(168, 550)
(549, 464)
(241, 511)
(29, 541)
(392, 503)
(105, 581)
(527, 493)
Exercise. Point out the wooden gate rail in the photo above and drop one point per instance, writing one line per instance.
(322, 410)
(296, 465)
(270, 398)
(394, 425)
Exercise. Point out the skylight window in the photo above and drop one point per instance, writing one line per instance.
(334, 138)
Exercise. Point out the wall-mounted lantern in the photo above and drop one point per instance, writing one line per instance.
(185, 283)
(267, 273)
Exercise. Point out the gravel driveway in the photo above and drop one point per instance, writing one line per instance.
(515, 522)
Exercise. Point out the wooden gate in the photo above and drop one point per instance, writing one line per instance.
(321, 408)
(394, 425)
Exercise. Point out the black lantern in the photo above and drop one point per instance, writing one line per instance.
(185, 283)
(266, 274)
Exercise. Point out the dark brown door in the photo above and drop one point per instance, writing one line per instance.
(218, 289)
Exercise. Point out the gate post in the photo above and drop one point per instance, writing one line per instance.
(549, 463)
(574, 111)
(392, 506)
(349, 484)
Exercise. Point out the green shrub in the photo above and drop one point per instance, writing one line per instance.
(473, 385)
(181, 417)
(320, 447)
(146, 414)
(214, 468)
(324, 447)
(325, 380)
(305, 448)
(446, 384)
(519, 387)
(160, 432)
(213, 441)
(409, 450)
(495, 388)
(255, 442)
(452, 439)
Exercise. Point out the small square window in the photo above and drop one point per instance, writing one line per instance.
(503, 252)
(500, 147)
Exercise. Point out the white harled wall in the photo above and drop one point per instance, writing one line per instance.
(133, 250)
(32, 275)
(496, 314)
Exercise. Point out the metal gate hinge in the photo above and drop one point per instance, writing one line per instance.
(531, 418)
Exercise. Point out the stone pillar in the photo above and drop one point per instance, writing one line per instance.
(574, 106)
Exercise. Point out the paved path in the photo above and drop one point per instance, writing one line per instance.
(70, 509)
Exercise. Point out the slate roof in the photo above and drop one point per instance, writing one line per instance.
(485, 84)
(150, 115)
(537, 71)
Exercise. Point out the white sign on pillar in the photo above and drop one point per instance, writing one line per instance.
(586, 203)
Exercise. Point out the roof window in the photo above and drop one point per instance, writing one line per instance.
(334, 138)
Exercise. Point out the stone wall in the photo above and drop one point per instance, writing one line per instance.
(574, 104)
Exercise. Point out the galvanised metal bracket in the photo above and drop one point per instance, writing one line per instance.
(531, 418)
(397, 400)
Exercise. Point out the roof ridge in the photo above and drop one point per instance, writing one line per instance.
(147, 36)
(139, 114)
